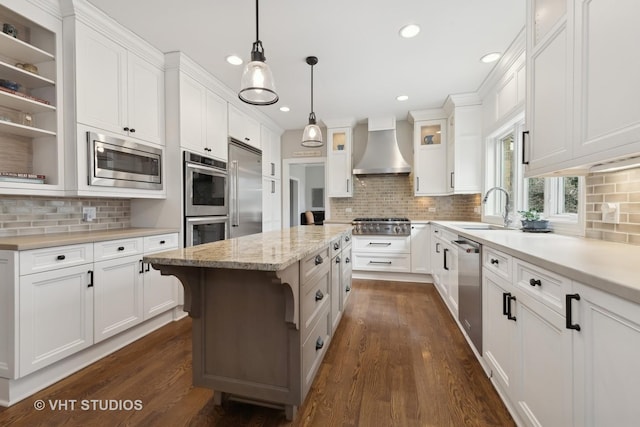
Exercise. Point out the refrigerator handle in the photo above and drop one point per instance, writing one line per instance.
(235, 215)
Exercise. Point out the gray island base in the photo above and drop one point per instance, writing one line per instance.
(264, 308)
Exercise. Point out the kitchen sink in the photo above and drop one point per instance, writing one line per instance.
(485, 227)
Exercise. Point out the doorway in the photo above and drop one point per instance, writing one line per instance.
(309, 173)
(294, 206)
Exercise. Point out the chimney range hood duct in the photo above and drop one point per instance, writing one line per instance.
(381, 154)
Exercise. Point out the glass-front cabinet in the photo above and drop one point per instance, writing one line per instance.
(31, 161)
(430, 157)
(339, 161)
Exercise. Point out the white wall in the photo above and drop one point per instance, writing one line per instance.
(314, 179)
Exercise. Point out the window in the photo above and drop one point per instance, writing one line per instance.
(557, 199)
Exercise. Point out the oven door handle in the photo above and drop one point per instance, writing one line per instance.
(235, 215)
(205, 169)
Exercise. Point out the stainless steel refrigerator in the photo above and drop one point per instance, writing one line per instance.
(245, 189)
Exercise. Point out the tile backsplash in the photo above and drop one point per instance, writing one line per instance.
(392, 196)
(621, 187)
(26, 215)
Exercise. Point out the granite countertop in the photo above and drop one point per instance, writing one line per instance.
(39, 241)
(608, 266)
(269, 251)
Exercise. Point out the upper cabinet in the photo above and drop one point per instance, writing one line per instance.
(117, 90)
(581, 91)
(31, 131)
(464, 151)
(271, 156)
(244, 128)
(339, 158)
(429, 153)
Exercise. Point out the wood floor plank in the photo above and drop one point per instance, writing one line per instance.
(397, 359)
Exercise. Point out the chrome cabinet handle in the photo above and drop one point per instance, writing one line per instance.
(319, 260)
(336, 246)
(379, 243)
(347, 260)
(337, 260)
(380, 262)
(319, 343)
(319, 295)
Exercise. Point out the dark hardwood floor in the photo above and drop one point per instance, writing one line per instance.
(397, 359)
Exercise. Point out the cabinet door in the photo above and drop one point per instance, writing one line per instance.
(145, 107)
(271, 204)
(216, 124)
(346, 268)
(243, 128)
(101, 81)
(549, 88)
(430, 158)
(160, 292)
(544, 394)
(420, 248)
(339, 166)
(450, 258)
(336, 290)
(608, 89)
(56, 316)
(436, 262)
(192, 115)
(118, 296)
(605, 365)
(498, 332)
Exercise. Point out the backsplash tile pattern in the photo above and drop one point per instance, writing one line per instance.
(26, 215)
(614, 187)
(392, 196)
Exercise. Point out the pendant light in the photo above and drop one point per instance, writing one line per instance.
(312, 135)
(257, 86)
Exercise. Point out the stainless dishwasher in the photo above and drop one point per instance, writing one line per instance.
(470, 288)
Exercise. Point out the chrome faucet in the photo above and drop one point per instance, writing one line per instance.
(507, 205)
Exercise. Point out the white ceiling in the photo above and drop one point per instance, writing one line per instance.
(363, 62)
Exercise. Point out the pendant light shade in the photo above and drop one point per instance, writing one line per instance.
(257, 86)
(312, 135)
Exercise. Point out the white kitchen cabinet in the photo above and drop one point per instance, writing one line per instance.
(31, 134)
(271, 204)
(605, 358)
(55, 316)
(117, 90)
(161, 293)
(118, 298)
(382, 253)
(444, 264)
(436, 261)
(243, 128)
(430, 157)
(271, 153)
(464, 144)
(421, 248)
(547, 143)
(346, 269)
(339, 162)
(203, 119)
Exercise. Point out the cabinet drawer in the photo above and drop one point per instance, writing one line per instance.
(382, 262)
(313, 263)
(546, 286)
(160, 242)
(346, 239)
(314, 348)
(315, 295)
(498, 262)
(117, 248)
(39, 260)
(335, 246)
(386, 244)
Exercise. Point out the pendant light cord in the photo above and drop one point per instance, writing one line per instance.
(257, 22)
(312, 89)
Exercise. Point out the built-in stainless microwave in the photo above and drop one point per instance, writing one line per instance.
(114, 162)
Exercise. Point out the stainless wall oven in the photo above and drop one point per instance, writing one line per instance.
(114, 162)
(205, 181)
(205, 229)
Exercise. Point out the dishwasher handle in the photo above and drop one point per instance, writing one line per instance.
(467, 246)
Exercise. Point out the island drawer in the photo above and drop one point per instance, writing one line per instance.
(546, 286)
(315, 295)
(310, 265)
(117, 248)
(346, 239)
(46, 259)
(498, 262)
(314, 348)
(336, 246)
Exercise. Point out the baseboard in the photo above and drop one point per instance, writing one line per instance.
(13, 391)
(392, 276)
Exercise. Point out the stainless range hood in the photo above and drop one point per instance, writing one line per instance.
(381, 154)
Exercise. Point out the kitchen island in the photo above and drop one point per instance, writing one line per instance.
(264, 308)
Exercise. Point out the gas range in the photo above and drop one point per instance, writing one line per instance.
(382, 226)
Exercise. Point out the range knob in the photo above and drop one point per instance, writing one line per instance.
(397, 229)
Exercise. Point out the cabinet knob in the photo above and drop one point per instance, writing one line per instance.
(60, 257)
(132, 130)
(494, 261)
(535, 282)
(337, 260)
(162, 242)
(319, 343)
(336, 246)
(347, 260)
(121, 248)
(247, 139)
(347, 288)
(319, 295)
(126, 129)
(319, 260)
(347, 238)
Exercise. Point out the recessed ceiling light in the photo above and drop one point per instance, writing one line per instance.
(234, 60)
(491, 57)
(284, 109)
(409, 30)
(402, 97)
